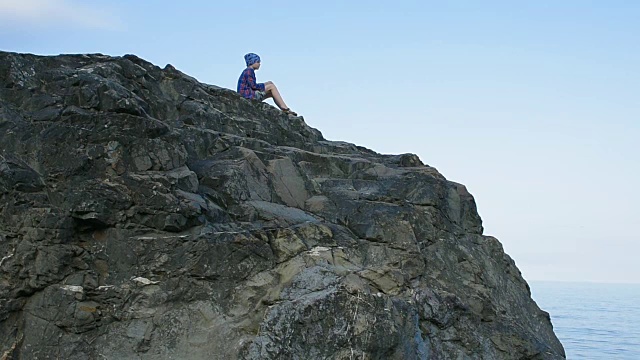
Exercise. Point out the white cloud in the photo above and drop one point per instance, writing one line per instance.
(65, 13)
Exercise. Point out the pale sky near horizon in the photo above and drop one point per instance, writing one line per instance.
(533, 105)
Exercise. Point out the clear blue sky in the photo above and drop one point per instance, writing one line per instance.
(534, 105)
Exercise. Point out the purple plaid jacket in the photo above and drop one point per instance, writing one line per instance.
(247, 85)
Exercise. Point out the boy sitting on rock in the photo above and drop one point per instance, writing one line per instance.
(249, 89)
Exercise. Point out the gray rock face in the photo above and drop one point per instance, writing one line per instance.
(145, 215)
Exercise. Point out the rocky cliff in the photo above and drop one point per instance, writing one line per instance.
(145, 215)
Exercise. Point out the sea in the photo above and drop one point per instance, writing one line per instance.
(593, 321)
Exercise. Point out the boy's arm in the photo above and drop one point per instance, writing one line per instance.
(253, 84)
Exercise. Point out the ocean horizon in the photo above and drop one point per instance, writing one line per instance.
(593, 320)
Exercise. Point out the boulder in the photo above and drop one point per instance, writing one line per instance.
(145, 215)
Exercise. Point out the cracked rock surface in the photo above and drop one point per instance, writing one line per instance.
(145, 215)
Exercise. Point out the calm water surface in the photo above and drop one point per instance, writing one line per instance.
(593, 321)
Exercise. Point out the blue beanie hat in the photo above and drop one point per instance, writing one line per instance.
(251, 59)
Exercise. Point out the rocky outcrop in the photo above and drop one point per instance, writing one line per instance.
(145, 215)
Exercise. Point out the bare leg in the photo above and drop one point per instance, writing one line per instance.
(272, 92)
